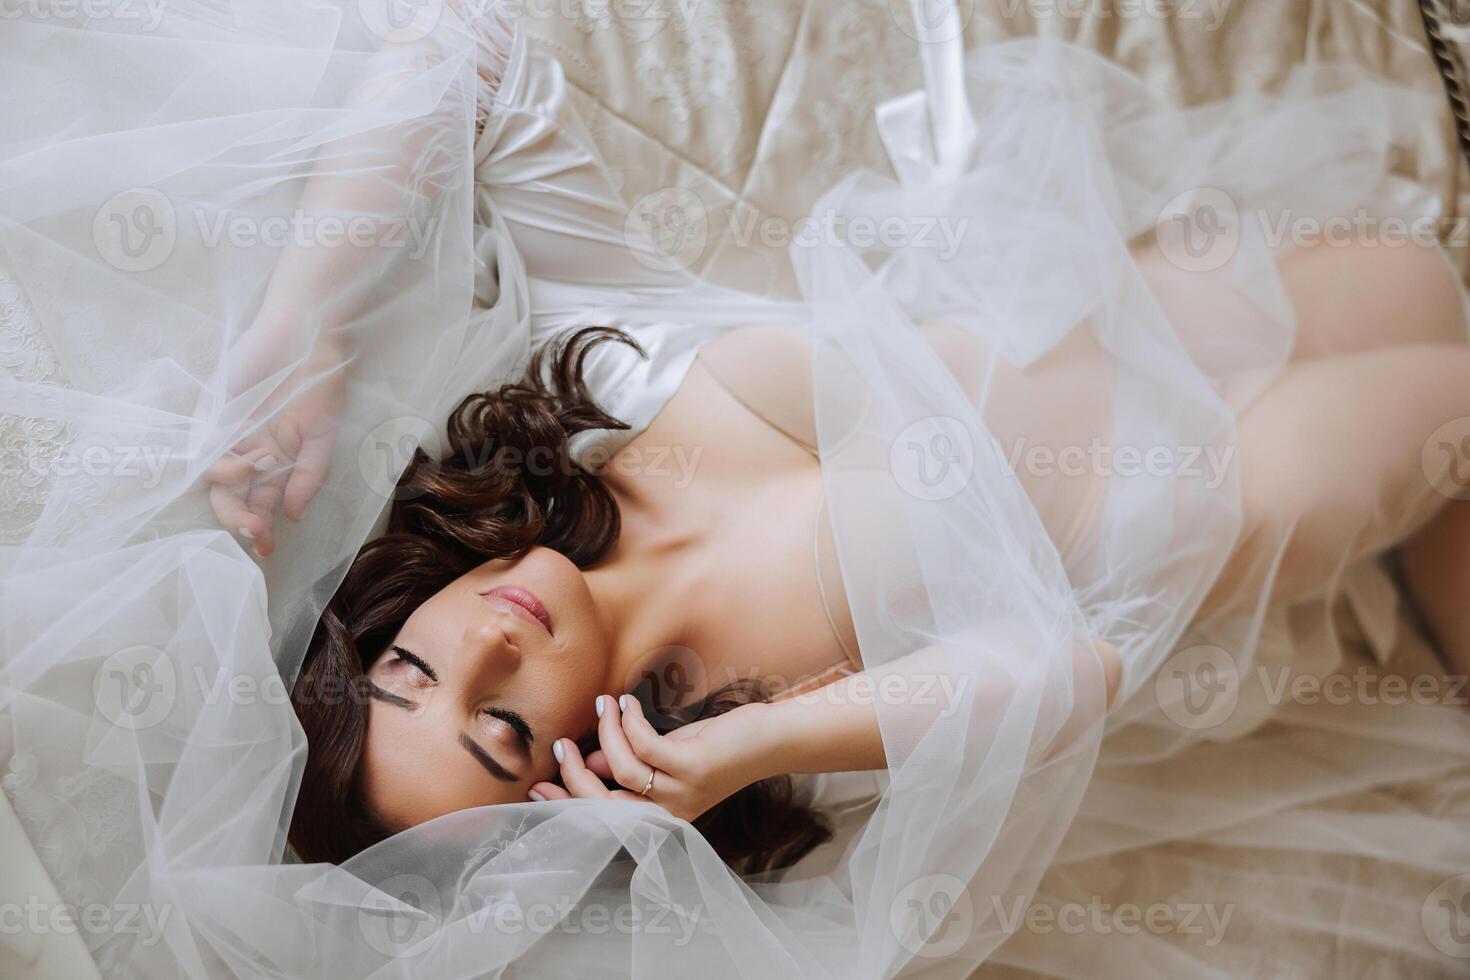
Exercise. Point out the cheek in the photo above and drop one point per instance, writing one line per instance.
(565, 699)
(403, 784)
(561, 578)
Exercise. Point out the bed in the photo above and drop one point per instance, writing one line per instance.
(757, 107)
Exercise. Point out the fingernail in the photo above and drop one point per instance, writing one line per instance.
(622, 702)
(264, 463)
(536, 796)
(558, 751)
(601, 704)
(244, 532)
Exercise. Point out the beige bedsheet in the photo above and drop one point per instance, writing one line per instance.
(758, 106)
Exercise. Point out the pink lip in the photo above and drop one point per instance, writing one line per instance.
(521, 602)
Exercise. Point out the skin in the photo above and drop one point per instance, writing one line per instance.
(440, 706)
(711, 564)
(715, 570)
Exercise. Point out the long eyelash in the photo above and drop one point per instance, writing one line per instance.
(515, 721)
(413, 658)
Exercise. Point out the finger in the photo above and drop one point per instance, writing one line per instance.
(229, 480)
(232, 514)
(236, 467)
(261, 501)
(628, 769)
(580, 781)
(265, 492)
(597, 762)
(287, 436)
(656, 750)
(308, 475)
(549, 791)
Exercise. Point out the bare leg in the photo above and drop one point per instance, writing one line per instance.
(1331, 461)
(1347, 299)
(1436, 563)
(1332, 465)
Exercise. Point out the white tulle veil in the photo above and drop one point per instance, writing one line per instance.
(151, 752)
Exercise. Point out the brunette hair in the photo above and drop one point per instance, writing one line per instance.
(506, 484)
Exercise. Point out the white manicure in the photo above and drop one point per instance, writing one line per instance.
(601, 704)
(623, 702)
(558, 751)
(244, 532)
(264, 463)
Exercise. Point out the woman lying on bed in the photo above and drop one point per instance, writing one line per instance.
(667, 623)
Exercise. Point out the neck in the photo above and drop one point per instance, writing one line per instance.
(640, 587)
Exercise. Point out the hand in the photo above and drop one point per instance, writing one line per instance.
(694, 767)
(284, 460)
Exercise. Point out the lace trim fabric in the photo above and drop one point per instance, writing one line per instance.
(30, 445)
(495, 35)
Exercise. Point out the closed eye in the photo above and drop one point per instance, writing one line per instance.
(415, 661)
(517, 724)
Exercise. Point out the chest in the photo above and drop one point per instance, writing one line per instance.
(756, 593)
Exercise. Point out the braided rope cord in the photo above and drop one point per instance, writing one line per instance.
(1448, 58)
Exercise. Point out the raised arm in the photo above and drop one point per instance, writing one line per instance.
(368, 205)
(838, 727)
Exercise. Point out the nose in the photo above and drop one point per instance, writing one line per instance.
(488, 649)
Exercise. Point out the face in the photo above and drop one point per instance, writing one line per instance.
(477, 685)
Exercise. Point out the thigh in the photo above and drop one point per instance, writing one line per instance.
(1334, 466)
(1345, 298)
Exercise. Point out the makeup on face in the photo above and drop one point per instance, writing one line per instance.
(522, 602)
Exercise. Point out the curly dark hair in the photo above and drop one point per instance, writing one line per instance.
(479, 502)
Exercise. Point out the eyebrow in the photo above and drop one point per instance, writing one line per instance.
(483, 758)
(511, 718)
(470, 745)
